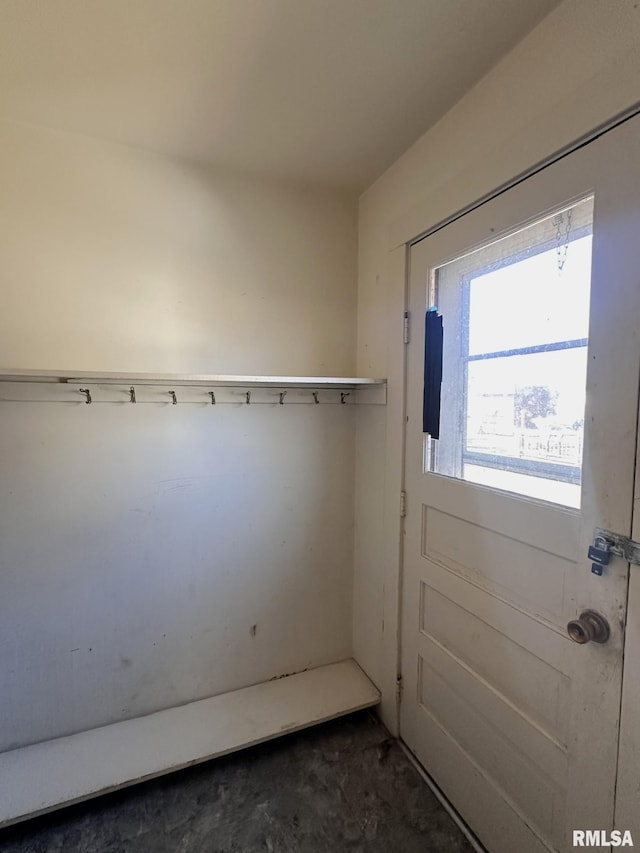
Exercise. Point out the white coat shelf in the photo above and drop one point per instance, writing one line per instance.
(76, 377)
(186, 388)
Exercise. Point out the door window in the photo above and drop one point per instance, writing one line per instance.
(516, 316)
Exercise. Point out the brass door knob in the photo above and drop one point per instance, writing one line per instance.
(589, 627)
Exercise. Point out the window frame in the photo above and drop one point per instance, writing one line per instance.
(556, 471)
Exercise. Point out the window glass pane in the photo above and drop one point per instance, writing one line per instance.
(528, 408)
(516, 316)
(555, 491)
(526, 303)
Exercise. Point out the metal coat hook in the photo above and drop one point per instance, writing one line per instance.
(87, 393)
(132, 394)
(283, 394)
(343, 396)
(248, 397)
(213, 397)
(174, 399)
(315, 397)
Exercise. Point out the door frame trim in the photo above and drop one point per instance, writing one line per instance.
(560, 154)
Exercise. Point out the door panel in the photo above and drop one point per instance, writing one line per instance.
(530, 577)
(516, 723)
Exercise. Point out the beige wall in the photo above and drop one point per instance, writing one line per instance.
(577, 69)
(155, 554)
(117, 259)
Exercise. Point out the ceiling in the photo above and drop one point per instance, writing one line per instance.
(326, 91)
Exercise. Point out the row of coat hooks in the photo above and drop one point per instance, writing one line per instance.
(212, 396)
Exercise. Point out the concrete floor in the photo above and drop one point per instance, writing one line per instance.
(342, 786)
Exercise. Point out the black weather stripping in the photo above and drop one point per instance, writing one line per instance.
(433, 338)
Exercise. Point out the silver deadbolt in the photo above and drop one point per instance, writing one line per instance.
(589, 627)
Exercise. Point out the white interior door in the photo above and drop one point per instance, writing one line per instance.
(539, 291)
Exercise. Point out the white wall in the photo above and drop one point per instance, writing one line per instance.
(114, 259)
(577, 69)
(140, 545)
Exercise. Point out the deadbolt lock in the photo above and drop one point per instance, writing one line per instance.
(589, 627)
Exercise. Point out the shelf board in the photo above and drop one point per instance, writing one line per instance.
(42, 777)
(180, 379)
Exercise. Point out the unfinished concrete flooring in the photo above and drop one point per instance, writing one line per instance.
(342, 786)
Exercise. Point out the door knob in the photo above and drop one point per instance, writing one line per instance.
(589, 627)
